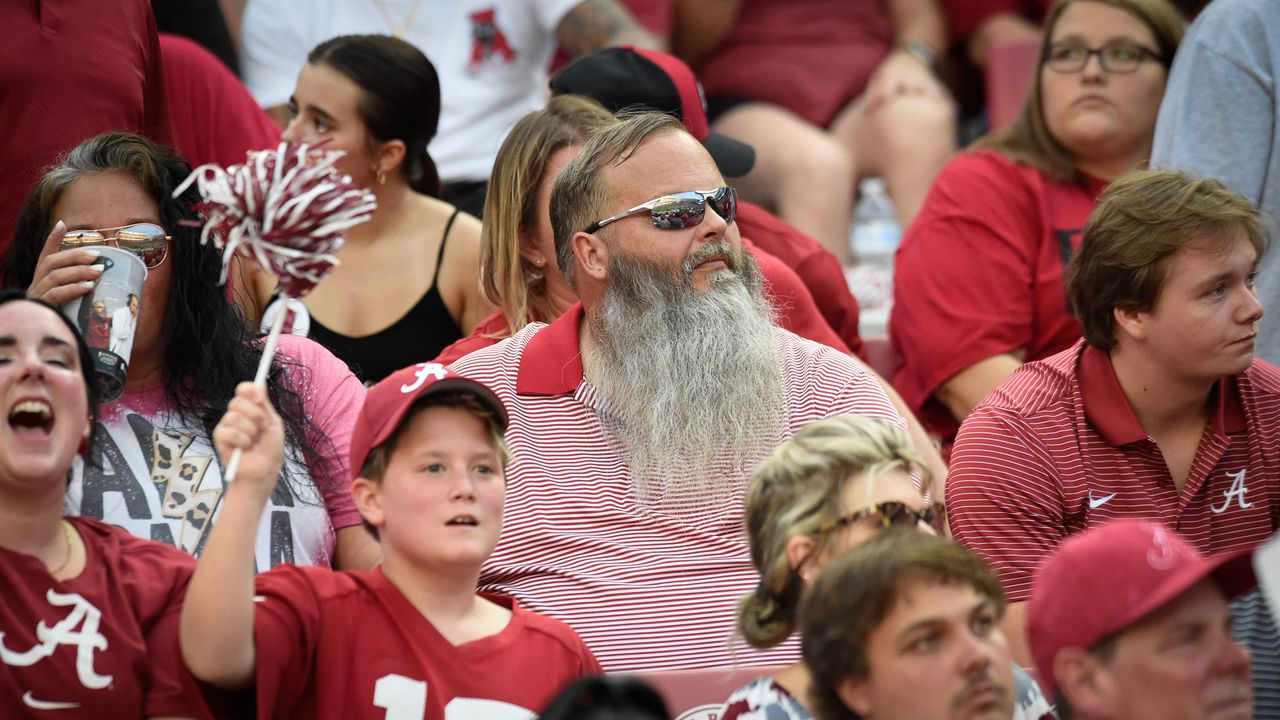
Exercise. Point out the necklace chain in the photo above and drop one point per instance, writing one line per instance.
(398, 29)
(66, 538)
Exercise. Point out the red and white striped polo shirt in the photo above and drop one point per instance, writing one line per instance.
(645, 590)
(1056, 449)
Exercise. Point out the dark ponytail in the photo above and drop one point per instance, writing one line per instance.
(401, 97)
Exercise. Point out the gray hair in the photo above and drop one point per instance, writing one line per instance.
(579, 194)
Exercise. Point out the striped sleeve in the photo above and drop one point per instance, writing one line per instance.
(1003, 496)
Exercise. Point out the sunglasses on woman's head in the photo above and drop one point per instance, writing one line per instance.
(146, 240)
(891, 513)
(682, 209)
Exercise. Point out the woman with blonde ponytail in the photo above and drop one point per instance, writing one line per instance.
(836, 484)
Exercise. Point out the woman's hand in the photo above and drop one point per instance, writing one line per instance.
(63, 275)
(252, 426)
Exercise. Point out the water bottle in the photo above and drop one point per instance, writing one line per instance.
(875, 225)
(876, 234)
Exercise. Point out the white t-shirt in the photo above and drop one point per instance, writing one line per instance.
(491, 55)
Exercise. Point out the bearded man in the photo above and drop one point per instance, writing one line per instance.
(638, 415)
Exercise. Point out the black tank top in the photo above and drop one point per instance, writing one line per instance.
(418, 336)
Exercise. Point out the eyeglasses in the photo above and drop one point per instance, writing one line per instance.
(682, 209)
(893, 513)
(1121, 58)
(149, 242)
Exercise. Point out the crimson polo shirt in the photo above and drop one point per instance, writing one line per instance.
(645, 588)
(1057, 449)
(980, 273)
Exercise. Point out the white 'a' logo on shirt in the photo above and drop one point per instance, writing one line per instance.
(1237, 490)
(86, 639)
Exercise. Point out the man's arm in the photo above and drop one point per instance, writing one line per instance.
(1004, 503)
(595, 24)
(216, 630)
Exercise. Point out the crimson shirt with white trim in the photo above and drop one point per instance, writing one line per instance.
(1057, 449)
(645, 590)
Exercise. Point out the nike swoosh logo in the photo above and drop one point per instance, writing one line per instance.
(31, 702)
(1095, 503)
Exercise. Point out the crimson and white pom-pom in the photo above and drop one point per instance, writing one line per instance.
(287, 209)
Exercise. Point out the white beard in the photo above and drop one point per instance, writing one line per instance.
(690, 382)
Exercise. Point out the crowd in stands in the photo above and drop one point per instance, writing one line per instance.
(585, 411)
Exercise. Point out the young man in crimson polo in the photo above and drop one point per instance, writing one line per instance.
(1161, 412)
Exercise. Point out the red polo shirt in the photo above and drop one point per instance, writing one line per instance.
(645, 588)
(1056, 449)
(980, 273)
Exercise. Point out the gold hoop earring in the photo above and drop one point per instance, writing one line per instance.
(382, 178)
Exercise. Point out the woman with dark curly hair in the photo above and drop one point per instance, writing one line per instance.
(151, 468)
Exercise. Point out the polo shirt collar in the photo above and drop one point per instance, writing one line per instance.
(551, 363)
(1109, 412)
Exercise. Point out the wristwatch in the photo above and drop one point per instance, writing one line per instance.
(920, 51)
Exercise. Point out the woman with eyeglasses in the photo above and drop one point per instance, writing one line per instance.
(837, 483)
(978, 286)
(407, 285)
(89, 618)
(151, 468)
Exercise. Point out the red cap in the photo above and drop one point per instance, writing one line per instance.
(1101, 581)
(386, 403)
(627, 76)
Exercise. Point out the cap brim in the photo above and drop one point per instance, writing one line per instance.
(733, 157)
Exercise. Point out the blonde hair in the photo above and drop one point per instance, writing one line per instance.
(509, 280)
(796, 491)
(1028, 139)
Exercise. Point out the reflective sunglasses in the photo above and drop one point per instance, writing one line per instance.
(682, 209)
(893, 513)
(1120, 58)
(149, 242)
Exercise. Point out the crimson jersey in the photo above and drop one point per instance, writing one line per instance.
(350, 645)
(101, 645)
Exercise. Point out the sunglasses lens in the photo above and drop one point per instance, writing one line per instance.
(81, 238)
(896, 513)
(678, 211)
(725, 203)
(145, 240)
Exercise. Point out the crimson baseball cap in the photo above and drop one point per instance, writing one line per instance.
(1103, 580)
(628, 76)
(386, 403)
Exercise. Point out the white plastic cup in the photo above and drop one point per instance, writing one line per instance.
(107, 317)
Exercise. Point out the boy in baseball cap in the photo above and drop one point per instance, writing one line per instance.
(411, 637)
(1129, 621)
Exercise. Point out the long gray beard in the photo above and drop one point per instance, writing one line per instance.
(690, 383)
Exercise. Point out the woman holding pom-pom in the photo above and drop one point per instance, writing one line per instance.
(151, 468)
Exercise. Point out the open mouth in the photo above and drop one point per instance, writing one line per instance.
(32, 416)
(464, 520)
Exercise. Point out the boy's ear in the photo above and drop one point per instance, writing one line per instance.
(368, 497)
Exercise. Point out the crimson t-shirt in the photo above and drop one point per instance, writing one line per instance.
(350, 645)
(980, 273)
(101, 645)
